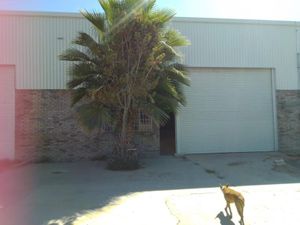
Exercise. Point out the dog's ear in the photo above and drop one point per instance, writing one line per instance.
(226, 185)
(221, 186)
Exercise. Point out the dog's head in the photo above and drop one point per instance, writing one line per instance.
(224, 186)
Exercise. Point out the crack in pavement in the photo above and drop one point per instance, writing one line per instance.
(169, 207)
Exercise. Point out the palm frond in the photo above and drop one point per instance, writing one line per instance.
(97, 19)
(106, 6)
(149, 6)
(157, 114)
(77, 95)
(75, 55)
(169, 52)
(162, 16)
(167, 103)
(175, 39)
(82, 70)
(87, 41)
(93, 115)
(177, 75)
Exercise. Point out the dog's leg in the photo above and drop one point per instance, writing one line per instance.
(226, 209)
(230, 210)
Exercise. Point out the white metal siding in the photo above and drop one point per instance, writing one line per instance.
(30, 41)
(33, 44)
(228, 110)
(7, 112)
(243, 45)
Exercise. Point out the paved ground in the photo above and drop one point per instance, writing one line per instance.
(167, 191)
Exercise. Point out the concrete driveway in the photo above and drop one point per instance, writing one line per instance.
(167, 191)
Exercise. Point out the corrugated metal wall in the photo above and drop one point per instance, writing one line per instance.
(33, 42)
(243, 45)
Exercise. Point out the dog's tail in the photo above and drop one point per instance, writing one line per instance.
(240, 204)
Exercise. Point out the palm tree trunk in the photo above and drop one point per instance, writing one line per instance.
(124, 129)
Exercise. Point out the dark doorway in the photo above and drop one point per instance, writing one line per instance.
(167, 137)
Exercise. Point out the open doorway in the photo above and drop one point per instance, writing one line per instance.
(167, 137)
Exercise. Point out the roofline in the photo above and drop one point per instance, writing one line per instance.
(40, 13)
(236, 21)
(175, 19)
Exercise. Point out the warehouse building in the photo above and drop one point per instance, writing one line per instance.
(244, 94)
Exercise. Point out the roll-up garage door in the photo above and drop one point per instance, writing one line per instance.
(228, 110)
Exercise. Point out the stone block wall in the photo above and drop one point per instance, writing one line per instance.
(47, 129)
(288, 114)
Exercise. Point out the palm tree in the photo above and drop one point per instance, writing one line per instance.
(129, 64)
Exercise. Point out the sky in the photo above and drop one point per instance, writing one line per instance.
(238, 9)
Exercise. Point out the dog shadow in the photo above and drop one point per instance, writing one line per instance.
(224, 219)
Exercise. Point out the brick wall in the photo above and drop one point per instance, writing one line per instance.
(47, 129)
(288, 113)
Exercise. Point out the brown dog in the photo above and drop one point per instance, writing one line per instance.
(232, 196)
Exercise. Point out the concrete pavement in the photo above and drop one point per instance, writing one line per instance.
(167, 190)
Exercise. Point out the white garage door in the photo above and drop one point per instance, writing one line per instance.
(7, 112)
(228, 110)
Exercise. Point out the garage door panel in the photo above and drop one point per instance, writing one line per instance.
(213, 144)
(241, 116)
(228, 110)
(218, 129)
(237, 102)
